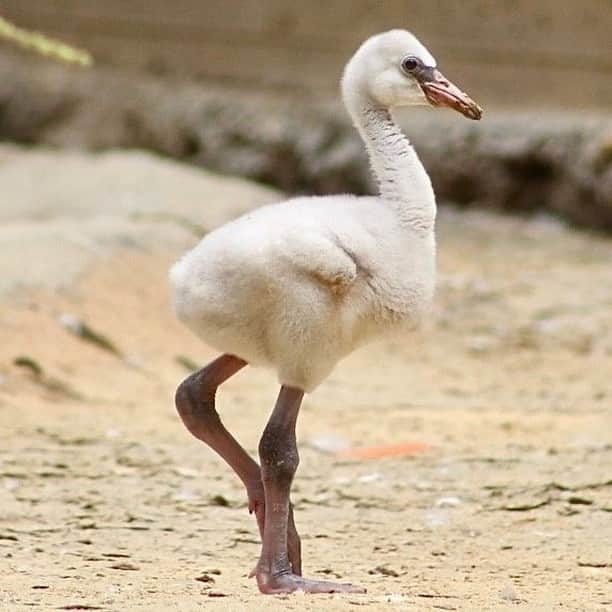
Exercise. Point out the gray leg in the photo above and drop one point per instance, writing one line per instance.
(279, 460)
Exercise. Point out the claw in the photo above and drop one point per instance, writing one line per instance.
(255, 503)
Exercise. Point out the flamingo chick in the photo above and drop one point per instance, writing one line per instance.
(297, 286)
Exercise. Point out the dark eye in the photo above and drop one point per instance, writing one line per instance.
(410, 64)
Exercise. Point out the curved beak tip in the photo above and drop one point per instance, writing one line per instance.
(476, 112)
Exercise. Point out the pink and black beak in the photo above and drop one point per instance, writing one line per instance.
(439, 91)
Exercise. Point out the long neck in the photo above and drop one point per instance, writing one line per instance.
(401, 177)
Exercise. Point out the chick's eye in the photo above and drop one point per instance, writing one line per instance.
(409, 64)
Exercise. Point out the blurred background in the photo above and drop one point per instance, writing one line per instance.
(477, 473)
(251, 88)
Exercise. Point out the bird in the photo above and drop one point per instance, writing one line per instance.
(298, 285)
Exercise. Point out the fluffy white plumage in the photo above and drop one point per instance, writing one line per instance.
(298, 285)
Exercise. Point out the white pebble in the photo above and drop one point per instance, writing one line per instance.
(329, 443)
(71, 323)
(509, 593)
(448, 502)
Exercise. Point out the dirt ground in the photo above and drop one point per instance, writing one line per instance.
(109, 504)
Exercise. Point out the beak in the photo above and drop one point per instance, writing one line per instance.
(439, 91)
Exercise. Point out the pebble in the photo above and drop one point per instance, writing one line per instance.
(508, 593)
(448, 502)
(329, 443)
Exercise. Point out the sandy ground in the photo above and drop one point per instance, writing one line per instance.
(108, 504)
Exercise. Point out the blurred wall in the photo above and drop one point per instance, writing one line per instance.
(519, 53)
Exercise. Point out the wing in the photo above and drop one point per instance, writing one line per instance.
(323, 259)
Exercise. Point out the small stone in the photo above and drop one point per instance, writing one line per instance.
(220, 500)
(329, 443)
(205, 578)
(370, 477)
(508, 593)
(448, 502)
(385, 571)
(125, 567)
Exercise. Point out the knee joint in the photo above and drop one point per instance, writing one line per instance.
(279, 456)
(194, 403)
